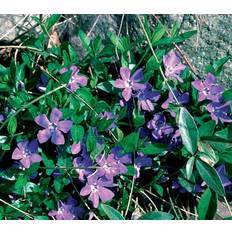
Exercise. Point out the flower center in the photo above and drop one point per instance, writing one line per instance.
(94, 188)
(60, 210)
(128, 83)
(52, 126)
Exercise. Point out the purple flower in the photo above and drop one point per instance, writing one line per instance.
(96, 189)
(221, 170)
(176, 139)
(141, 161)
(159, 126)
(219, 111)
(83, 164)
(42, 84)
(208, 89)
(2, 117)
(76, 148)
(77, 80)
(27, 153)
(108, 116)
(67, 211)
(182, 99)
(53, 128)
(128, 82)
(112, 165)
(146, 97)
(173, 66)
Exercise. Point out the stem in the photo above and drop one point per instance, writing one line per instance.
(157, 60)
(150, 200)
(228, 206)
(130, 196)
(21, 211)
(30, 103)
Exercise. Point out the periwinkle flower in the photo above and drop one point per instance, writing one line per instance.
(42, 84)
(141, 161)
(146, 97)
(129, 83)
(53, 128)
(108, 116)
(27, 153)
(221, 170)
(112, 165)
(208, 89)
(67, 211)
(173, 66)
(82, 164)
(160, 128)
(219, 111)
(76, 148)
(2, 118)
(97, 190)
(77, 80)
(182, 99)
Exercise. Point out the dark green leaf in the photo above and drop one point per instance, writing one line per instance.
(129, 143)
(112, 213)
(156, 216)
(154, 148)
(226, 155)
(189, 166)
(188, 130)
(77, 133)
(210, 176)
(12, 125)
(207, 206)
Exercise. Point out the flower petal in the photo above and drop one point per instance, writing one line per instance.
(56, 115)
(44, 135)
(86, 190)
(125, 73)
(42, 120)
(76, 148)
(25, 162)
(119, 83)
(33, 146)
(105, 194)
(126, 93)
(138, 75)
(95, 199)
(57, 138)
(35, 158)
(65, 125)
(17, 154)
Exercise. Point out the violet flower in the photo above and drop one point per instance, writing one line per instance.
(42, 84)
(108, 116)
(141, 161)
(67, 211)
(159, 127)
(82, 164)
(2, 118)
(96, 189)
(77, 80)
(53, 128)
(128, 82)
(219, 111)
(221, 170)
(27, 153)
(208, 89)
(182, 99)
(76, 148)
(173, 65)
(146, 97)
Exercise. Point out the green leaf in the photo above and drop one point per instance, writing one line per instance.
(91, 140)
(226, 155)
(129, 143)
(207, 129)
(227, 95)
(112, 213)
(4, 88)
(154, 148)
(156, 216)
(51, 21)
(77, 133)
(188, 130)
(189, 167)
(49, 164)
(218, 65)
(210, 176)
(12, 125)
(85, 40)
(207, 206)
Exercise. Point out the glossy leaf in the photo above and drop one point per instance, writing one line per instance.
(112, 213)
(156, 216)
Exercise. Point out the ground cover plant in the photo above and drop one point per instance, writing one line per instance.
(128, 131)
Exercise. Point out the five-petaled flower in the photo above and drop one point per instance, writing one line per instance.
(129, 83)
(96, 189)
(159, 126)
(27, 153)
(77, 80)
(67, 211)
(173, 66)
(208, 89)
(219, 111)
(146, 97)
(53, 128)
